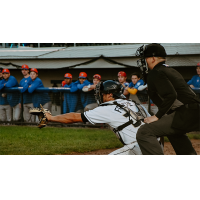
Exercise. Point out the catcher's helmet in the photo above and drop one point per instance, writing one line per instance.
(108, 87)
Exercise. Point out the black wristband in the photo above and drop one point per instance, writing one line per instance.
(84, 119)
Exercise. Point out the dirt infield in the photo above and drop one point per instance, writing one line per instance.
(168, 149)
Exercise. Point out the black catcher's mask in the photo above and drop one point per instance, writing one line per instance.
(108, 87)
(145, 51)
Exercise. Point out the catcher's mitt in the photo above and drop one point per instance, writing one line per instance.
(41, 113)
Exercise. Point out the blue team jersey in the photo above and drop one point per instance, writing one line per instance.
(126, 84)
(14, 97)
(137, 85)
(86, 97)
(70, 103)
(27, 97)
(195, 81)
(142, 95)
(38, 97)
(3, 100)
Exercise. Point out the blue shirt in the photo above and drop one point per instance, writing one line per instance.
(142, 95)
(14, 97)
(137, 85)
(27, 97)
(195, 81)
(38, 97)
(3, 100)
(70, 103)
(86, 97)
(126, 84)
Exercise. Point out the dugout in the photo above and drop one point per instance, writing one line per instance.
(54, 62)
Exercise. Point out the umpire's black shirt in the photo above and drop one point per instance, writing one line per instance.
(168, 89)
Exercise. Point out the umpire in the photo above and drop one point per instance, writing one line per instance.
(178, 105)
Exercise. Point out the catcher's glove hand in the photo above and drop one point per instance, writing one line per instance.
(41, 113)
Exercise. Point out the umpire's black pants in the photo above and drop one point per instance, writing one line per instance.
(148, 133)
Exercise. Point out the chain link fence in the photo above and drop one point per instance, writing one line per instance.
(14, 105)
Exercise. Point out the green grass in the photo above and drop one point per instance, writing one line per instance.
(23, 140)
(19, 140)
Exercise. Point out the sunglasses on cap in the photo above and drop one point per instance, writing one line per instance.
(97, 76)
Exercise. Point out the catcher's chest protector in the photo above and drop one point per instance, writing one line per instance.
(135, 118)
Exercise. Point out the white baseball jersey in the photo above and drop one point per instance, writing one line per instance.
(115, 117)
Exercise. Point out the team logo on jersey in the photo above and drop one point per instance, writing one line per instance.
(25, 80)
(198, 80)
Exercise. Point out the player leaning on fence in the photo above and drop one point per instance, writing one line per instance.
(27, 97)
(96, 80)
(12, 98)
(5, 108)
(124, 116)
(122, 79)
(195, 81)
(70, 103)
(178, 105)
(86, 98)
(32, 85)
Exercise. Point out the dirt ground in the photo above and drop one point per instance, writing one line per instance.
(168, 149)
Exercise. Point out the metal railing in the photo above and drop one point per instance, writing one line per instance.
(57, 99)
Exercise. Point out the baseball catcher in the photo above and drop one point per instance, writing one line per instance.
(123, 116)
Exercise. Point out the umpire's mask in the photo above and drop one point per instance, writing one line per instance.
(108, 87)
(145, 51)
(141, 62)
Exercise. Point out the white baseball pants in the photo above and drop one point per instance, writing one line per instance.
(5, 113)
(27, 116)
(16, 113)
(130, 149)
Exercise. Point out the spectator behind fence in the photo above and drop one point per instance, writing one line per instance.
(27, 97)
(133, 88)
(96, 80)
(5, 108)
(122, 79)
(70, 103)
(85, 98)
(195, 81)
(1, 75)
(37, 97)
(13, 98)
